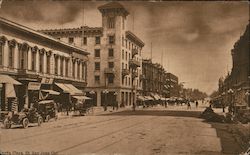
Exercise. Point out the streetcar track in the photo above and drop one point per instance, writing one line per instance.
(105, 135)
(66, 129)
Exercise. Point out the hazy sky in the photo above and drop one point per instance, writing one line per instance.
(195, 37)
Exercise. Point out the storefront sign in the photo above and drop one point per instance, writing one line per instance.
(47, 81)
(34, 86)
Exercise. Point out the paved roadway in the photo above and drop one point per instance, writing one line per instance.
(144, 132)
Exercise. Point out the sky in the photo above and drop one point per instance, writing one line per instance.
(192, 40)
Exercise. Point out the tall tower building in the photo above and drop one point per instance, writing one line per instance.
(114, 66)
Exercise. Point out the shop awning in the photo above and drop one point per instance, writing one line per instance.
(52, 92)
(141, 98)
(82, 97)
(148, 98)
(155, 96)
(8, 79)
(10, 91)
(69, 88)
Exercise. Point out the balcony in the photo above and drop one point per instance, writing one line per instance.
(109, 71)
(134, 52)
(134, 74)
(125, 72)
(134, 63)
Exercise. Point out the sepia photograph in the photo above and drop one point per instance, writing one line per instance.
(115, 77)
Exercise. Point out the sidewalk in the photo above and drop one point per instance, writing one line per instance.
(94, 112)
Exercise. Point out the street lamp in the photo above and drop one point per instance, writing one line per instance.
(92, 93)
(105, 104)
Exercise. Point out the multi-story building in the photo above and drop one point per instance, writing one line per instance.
(172, 85)
(153, 77)
(34, 65)
(116, 56)
(235, 88)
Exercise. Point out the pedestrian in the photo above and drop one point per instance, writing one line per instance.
(196, 104)
(188, 105)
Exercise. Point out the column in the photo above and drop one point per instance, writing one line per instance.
(59, 65)
(85, 71)
(45, 62)
(29, 58)
(80, 75)
(6, 55)
(37, 61)
(76, 68)
(64, 67)
(16, 57)
(98, 95)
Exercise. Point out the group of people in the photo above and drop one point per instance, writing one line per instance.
(189, 104)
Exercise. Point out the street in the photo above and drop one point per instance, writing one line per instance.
(157, 130)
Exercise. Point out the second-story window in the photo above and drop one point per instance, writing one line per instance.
(111, 52)
(122, 54)
(11, 56)
(97, 78)
(56, 65)
(122, 41)
(85, 41)
(71, 40)
(112, 39)
(74, 69)
(126, 56)
(41, 63)
(48, 64)
(66, 67)
(97, 53)
(33, 61)
(61, 66)
(111, 22)
(111, 79)
(98, 40)
(1, 54)
(111, 64)
(97, 65)
(78, 70)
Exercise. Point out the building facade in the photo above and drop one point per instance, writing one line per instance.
(235, 87)
(153, 79)
(115, 61)
(33, 64)
(172, 85)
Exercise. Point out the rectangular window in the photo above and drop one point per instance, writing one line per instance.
(123, 23)
(41, 63)
(111, 22)
(83, 70)
(22, 59)
(97, 53)
(1, 54)
(71, 40)
(122, 65)
(78, 70)
(126, 42)
(111, 64)
(111, 39)
(126, 56)
(122, 54)
(61, 66)
(111, 52)
(97, 78)
(56, 65)
(48, 64)
(84, 41)
(111, 79)
(97, 65)
(11, 56)
(67, 67)
(97, 40)
(33, 61)
(129, 56)
(122, 41)
(129, 45)
(74, 69)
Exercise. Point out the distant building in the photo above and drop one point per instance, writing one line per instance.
(235, 87)
(33, 64)
(172, 85)
(115, 61)
(153, 77)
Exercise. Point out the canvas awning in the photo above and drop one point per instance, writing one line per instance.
(148, 98)
(141, 98)
(82, 97)
(156, 96)
(8, 79)
(52, 92)
(10, 91)
(69, 88)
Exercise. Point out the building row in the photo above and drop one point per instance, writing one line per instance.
(104, 63)
(234, 89)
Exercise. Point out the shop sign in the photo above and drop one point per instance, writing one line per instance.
(47, 81)
(34, 86)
